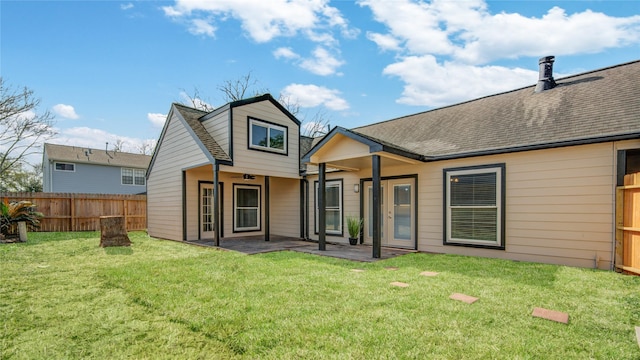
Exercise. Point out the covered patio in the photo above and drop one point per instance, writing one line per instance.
(257, 245)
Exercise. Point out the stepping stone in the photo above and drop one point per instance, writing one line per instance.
(638, 334)
(399, 284)
(357, 270)
(551, 315)
(464, 298)
(392, 268)
(428, 273)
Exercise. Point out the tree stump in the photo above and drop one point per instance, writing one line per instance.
(113, 231)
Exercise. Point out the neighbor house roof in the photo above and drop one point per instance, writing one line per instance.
(595, 106)
(77, 154)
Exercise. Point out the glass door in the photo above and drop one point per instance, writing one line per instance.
(397, 213)
(206, 223)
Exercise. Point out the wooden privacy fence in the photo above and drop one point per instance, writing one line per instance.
(628, 224)
(81, 212)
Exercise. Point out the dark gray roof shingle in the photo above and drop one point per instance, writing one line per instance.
(192, 117)
(592, 105)
(96, 156)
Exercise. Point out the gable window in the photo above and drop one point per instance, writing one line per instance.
(59, 166)
(333, 205)
(133, 176)
(267, 136)
(474, 206)
(246, 203)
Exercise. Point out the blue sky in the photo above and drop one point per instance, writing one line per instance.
(110, 70)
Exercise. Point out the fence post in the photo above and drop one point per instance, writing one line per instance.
(126, 214)
(72, 199)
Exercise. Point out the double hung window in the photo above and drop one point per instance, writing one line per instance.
(474, 206)
(246, 208)
(133, 176)
(333, 206)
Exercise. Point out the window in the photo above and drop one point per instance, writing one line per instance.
(65, 167)
(333, 205)
(267, 136)
(474, 206)
(133, 177)
(246, 208)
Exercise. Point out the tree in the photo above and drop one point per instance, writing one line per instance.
(22, 178)
(22, 128)
(245, 86)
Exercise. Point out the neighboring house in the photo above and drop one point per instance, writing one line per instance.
(528, 174)
(72, 169)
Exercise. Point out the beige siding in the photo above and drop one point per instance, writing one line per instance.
(559, 204)
(351, 203)
(219, 128)
(250, 161)
(177, 151)
(285, 207)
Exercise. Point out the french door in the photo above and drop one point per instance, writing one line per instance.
(397, 212)
(206, 218)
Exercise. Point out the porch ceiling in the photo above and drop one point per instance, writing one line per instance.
(345, 152)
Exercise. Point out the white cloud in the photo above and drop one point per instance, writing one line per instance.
(384, 41)
(126, 6)
(312, 95)
(443, 47)
(322, 63)
(66, 111)
(157, 119)
(195, 102)
(202, 27)
(428, 83)
(286, 53)
(266, 20)
(465, 31)
(97, 139)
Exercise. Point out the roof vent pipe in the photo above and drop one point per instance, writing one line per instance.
(545, 75)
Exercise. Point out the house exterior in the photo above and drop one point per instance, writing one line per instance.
(72, 169)
(527, 175)
(243, 157)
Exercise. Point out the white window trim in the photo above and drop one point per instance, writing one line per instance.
(499, 203)
(134, 175)
(340, 208)
(55, 166)
(269, 126)
(236, 228)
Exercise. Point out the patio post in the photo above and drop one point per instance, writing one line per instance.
(322, 212)
(377, 206)
(267, 196)
(216, 203)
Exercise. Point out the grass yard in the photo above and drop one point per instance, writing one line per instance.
(62, 296)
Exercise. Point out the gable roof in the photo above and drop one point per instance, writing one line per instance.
(192, 117)
(252, 100)
(85, 155)
(595, 106)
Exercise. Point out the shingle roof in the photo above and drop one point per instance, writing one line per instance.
(192, 117)
(77, 154)
(593, 105)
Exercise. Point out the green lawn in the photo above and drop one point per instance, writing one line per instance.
(62, 296)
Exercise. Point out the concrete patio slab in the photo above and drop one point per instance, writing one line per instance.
(257, 245)
(552, 315)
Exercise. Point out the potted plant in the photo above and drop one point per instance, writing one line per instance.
(354, 224)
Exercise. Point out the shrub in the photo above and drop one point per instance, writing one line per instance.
(12, 213)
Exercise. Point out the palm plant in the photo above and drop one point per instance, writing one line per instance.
(14, 212)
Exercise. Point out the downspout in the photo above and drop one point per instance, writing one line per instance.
(267, 214)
